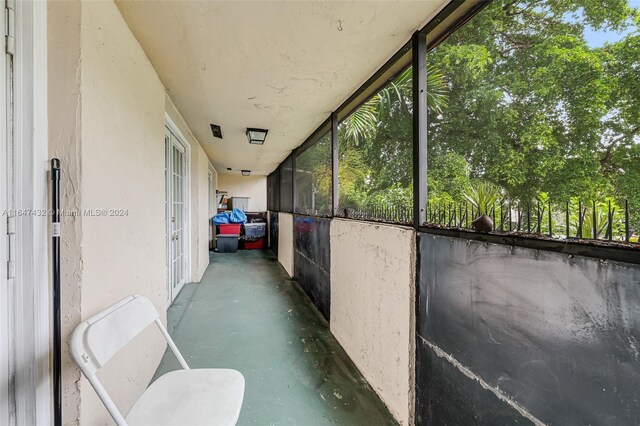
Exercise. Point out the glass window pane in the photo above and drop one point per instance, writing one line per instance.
(313, 178)
(286, 185)
(533, 111)
(375, 142)
(275, 190)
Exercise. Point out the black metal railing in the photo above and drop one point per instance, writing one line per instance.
(322, 212)
(398, 214)
(572, 219)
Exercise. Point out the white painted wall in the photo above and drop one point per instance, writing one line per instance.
(373, 306)
(64, 142)
(285, 242)
(254, 187)
(199, 181)
(106, 113)
(201, 215)
(122, 118)
(213, 209)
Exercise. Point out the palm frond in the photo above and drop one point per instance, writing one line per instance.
(482, 195)
(436, 90)
(361, 125)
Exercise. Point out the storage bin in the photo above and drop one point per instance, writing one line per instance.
(227, 243)
(255, 229)
(241, 203)
(253, 245)
(229, 228)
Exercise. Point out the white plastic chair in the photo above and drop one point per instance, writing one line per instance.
(182, 397)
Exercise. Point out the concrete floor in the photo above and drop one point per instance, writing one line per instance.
(248, 315)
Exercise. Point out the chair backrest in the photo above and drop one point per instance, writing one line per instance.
(96, 340)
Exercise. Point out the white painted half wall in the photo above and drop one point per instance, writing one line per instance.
(285, 242)
(254, 187)
(373, 306)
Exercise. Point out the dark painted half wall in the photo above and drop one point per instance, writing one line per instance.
(312, 259)
(511, 335)
(273, 231)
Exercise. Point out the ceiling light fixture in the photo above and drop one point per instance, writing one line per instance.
(256, 136)
(246, 172)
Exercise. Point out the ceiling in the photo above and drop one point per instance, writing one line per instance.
(278, 65)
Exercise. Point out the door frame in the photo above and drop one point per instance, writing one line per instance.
(7, 412)
(29, 344)
(175, 131)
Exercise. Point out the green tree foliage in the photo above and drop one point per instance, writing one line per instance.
(532, 107)
(585, 218)
(483, 196)
(375, 144)
(313, 178)
(520, 106)
(448, 177)
(519, 99)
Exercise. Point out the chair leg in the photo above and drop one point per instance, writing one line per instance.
(107, 401)
(172, 345)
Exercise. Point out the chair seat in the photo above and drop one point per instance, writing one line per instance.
(191, 397)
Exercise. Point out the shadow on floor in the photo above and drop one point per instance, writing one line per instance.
(246, 314)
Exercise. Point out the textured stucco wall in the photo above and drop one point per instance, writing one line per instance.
(106, 121)
(199, 178)
(123, 105)
(285, 242)
(254, 187)
(373, 306)
(64, 142)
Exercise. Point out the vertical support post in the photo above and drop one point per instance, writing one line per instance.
(510, 218)
(627, 230)
(334, 164)
(57, 334)
(609, 235)
(567, 219)
(293, 180)
(493, 213)
(593, 219)
(270, 195)
(550, 220)
(419, 63)
(279, 169)
(580, 219)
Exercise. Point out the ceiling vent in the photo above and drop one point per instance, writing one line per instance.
(216, 130)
